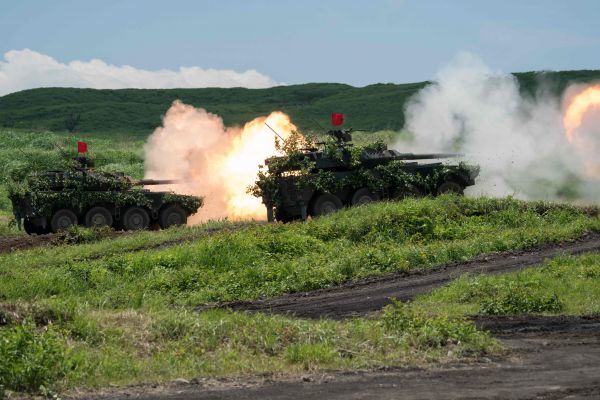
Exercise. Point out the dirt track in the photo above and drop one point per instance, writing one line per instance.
(551, 358)
(13, 243)
(362, 297)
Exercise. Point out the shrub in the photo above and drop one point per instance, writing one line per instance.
(506, 297)
(32, 360)
(424, 330)
(77, 234)
(521, 303)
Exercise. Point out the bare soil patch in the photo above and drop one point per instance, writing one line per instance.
(549, 358)
(365, 296)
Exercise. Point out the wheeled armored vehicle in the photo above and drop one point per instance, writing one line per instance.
(51, 201)
(321, 180)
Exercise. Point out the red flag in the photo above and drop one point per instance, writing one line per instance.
(337, 119)
(81, 147)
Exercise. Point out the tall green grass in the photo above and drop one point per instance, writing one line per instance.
(274, 259)
(565, 285)
(121, 310)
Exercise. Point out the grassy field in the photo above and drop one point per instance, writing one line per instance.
(121, 310)
(135, 111)
(565, 285)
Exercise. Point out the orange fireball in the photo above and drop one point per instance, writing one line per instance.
(238, 165)
(579, 105)
(212, 160)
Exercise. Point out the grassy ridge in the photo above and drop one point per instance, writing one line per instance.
(120, 310)
(274, 259)
(565, 285)
(374, 107)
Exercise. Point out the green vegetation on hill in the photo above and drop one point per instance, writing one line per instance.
(135, 111)
(274, 259)
(124, 310)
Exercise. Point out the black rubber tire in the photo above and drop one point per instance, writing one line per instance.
(326, 203)
(280, 216)
(135, 219)
(62, 219)
(98, 216)
(34, 229)
(172, 215)
(363, 196)
(30, 228)
(450, 187)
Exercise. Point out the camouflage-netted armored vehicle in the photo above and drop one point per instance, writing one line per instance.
(318, 180)
(54, 200)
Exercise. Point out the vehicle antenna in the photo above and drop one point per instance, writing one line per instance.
(274, 131)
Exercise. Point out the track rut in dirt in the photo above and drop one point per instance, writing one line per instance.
(365, 296)
(548, 358)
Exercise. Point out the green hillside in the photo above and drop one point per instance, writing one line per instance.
(374, 107)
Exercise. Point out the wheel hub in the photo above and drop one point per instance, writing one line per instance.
(98, 220)
(328, 207)
(364, 200)
(174, 219)
(136, 220)
(64, 222)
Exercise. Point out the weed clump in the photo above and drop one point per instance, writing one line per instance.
(77, 234)
(425, 331)
(509, 297)
(31, 359)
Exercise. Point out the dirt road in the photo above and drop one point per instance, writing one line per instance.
(551, 358)
(362, 297)
(548, 358)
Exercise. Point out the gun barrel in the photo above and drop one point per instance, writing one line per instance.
(151, 182)
(431, 156)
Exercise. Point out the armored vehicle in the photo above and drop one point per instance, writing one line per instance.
(320, 180)
(54, 200)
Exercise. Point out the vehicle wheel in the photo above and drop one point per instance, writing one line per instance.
(98, 216)
(172, 215)
(135, 219)
(325, 204)
(363, 196)
(63, 219)
(29, 227)
(450, 187)
(34, 229)
(280, 216)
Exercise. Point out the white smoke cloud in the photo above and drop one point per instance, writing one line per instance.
(212, 160)
(27, 69)
(519, 142)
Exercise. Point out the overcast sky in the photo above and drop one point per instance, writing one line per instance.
(262, 43)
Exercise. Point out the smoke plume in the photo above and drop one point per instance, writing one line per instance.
(520, 142)
(212, 160)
